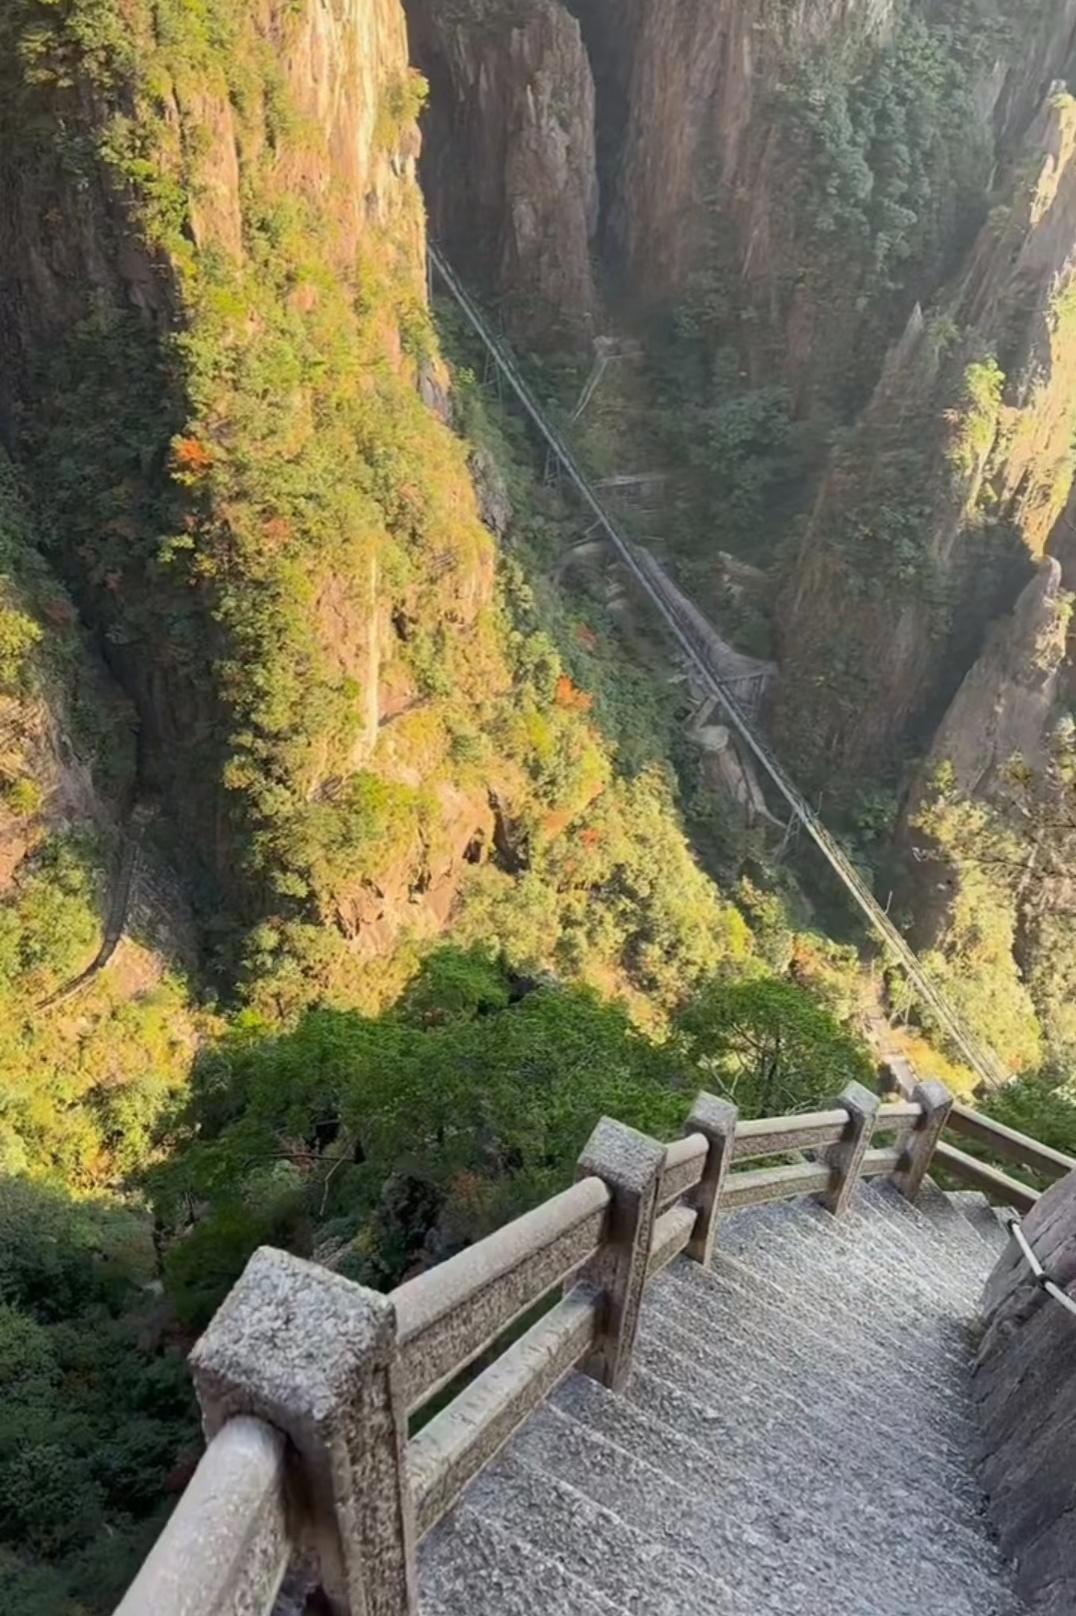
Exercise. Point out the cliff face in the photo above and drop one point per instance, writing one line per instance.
(700, 137)
(215, 315)
(85, 1073)
(509, 160)
(751, 134)
(826, 159)
(1006, 704)
(950, 484)
(218, 360)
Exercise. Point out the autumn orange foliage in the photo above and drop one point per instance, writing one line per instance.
(190, 455)
(567, 695)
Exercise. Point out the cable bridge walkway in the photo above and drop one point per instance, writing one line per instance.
(686, 626)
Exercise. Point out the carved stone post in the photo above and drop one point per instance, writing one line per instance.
(717, 1120)
(315, 1356)
(631, 1164)
(846, 1159)
(918, 1152)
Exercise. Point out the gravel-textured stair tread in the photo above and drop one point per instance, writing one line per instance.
(796, 1439)
(935, 1212)
(983, 1218)
(730, 1293)
(693, 1521)
(850, 1503)
(874, 1286)
(882, 1225)
(955, 1245)
(864, 1332)
(811, 1396)
(698, 1462)
(597, 1545)
(803, 1429)
(852, 1249)
(470, 1567)
(775, 1582)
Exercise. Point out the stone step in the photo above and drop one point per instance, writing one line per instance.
(795, 1440)
(688, 1448)
(974, 1207)
(866, 1239)
(711, 1492)
(936, 1226)
(884, 1225)
(470, 1567)
(596, 1546)
(870, 1285)
(731, 1292)
(761, 1430)
(706, 1525)
(958, 1563)
(935, 1209)
(807, 1394)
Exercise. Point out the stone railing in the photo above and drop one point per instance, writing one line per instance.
(1040, 1160)
(308, 1382)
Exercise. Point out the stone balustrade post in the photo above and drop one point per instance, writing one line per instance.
(918, 1151)
(846, 1158)
(631, 1164)
(717, 1120)
(315, 1356)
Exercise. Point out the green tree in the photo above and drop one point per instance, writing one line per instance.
(770, 1047)
(407, 1135)
(96, 1410)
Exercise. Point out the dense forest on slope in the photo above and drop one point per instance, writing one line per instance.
(356, 847)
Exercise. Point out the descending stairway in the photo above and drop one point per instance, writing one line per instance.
(796, 1439)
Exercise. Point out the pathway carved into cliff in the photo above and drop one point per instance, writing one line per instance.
(116, 919)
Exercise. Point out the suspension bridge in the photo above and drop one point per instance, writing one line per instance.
(682, 620)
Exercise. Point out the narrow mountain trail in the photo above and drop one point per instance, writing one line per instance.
(116, 918)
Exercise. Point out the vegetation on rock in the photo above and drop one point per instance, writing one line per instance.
(276, 577)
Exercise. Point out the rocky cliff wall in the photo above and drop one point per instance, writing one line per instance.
(1006, 703)
(509, 164)
(949, 486)
(214, 334)
(753, 141)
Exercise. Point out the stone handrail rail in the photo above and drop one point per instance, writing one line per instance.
(1007, 1143)
(227, 1544)
(1019, 1147)
(981, 1176)
(307, 1381)
(685, 1162)
(1003, 1141)
(447, 1316)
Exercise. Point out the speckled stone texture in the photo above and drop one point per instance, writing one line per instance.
(315, 1356)
(1025, 1393)
(796, 1439)
(630, 1163)
(716, 1119)
(846, 1158)
(937, 1103)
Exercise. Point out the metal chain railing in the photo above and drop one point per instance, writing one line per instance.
(981, 1060)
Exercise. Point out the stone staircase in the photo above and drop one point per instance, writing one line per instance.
(796, 1438)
